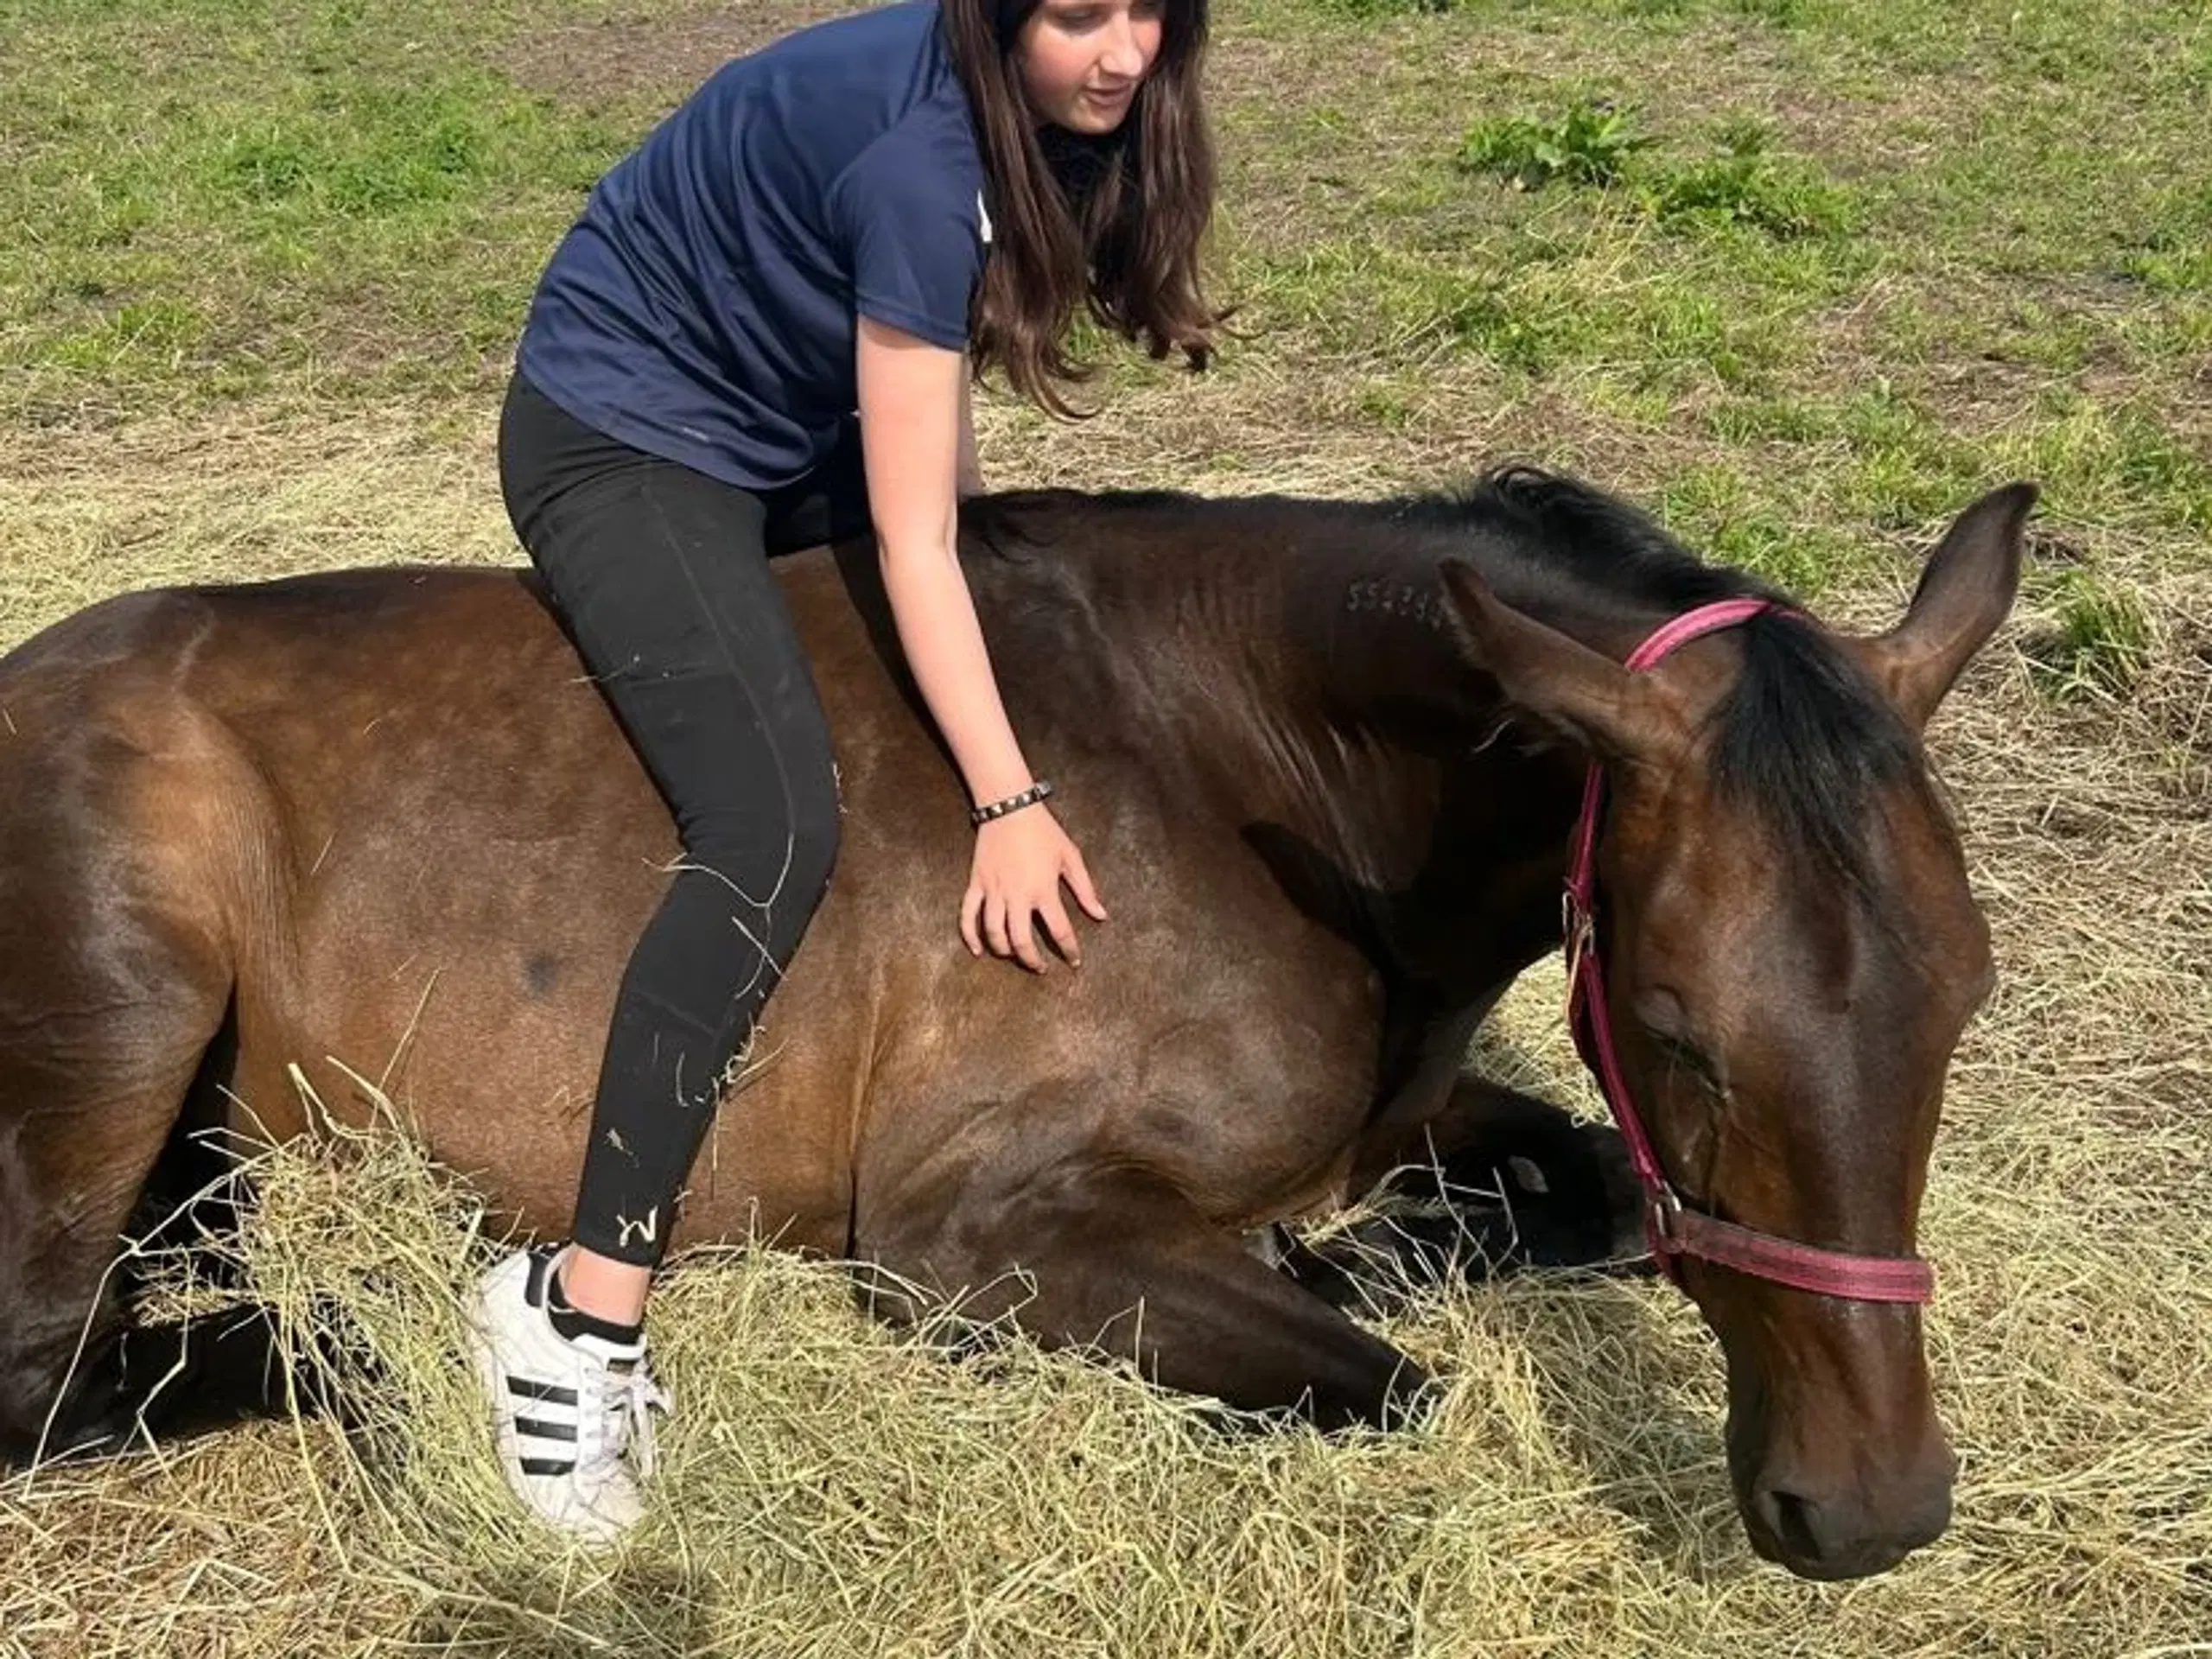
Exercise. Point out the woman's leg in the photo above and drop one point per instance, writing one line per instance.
(661, 577)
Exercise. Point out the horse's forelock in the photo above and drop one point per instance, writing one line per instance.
(1805, 742)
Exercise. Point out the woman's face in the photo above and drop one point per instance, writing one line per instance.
(1080, 62)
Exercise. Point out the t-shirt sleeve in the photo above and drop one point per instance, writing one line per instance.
(912, 227)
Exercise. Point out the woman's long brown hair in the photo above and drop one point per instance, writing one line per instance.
(1113, 223)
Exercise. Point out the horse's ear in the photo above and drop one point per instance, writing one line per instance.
(1561, 682)
(1965, 592)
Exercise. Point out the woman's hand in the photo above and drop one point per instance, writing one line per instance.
(1021, 861)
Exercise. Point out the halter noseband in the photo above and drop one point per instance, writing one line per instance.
(1674, 1229)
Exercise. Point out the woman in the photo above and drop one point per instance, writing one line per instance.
(857, 220)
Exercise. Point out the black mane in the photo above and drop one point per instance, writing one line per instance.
(1804, 741)
(1561, 530)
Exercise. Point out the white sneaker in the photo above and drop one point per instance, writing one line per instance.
(568, 1412)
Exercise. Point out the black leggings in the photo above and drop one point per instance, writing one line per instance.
(660, 575)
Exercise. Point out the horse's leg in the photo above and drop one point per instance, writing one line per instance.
(73, 1156)
(174, 1378)
(1119, 1260)
(108, 1001)
(1497, 1181)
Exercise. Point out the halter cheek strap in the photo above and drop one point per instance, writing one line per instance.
(1674, 1229)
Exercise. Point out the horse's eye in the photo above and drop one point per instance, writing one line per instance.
(1667, 1022)
(1684, 1055)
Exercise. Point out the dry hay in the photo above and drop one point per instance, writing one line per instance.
(830, 1490)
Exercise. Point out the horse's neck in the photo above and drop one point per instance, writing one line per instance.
(1371, 626)
(1292, 663)
(1358, 729)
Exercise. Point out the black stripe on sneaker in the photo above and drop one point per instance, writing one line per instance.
(546, 1431)
(547, 1466)
(551, 1394)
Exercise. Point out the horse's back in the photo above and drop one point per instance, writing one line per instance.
(410, 841)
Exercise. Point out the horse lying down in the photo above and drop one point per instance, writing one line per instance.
(1327, 759)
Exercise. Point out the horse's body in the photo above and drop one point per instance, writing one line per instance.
(376, 825)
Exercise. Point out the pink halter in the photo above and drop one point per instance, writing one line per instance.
(1674, 1229)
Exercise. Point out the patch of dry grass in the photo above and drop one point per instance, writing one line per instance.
(86, 513)
(650, 56)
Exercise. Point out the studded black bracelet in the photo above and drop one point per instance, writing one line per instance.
(1037, 792)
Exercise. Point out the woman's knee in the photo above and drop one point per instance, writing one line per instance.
(766, 857)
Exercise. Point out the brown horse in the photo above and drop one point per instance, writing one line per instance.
(1324, 757)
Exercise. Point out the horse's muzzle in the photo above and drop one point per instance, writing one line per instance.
(1849, 1533)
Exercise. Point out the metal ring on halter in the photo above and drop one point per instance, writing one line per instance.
(1663, 1212)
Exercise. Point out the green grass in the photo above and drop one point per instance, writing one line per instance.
(221, 204)
(292, 197)
(1871, 259)
(1597, 145)
(2101, 640)
(1765, 235)
(1591, 143)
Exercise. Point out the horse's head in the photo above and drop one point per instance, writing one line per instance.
(1791, 952)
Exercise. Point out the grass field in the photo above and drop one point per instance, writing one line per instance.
(1802, 276)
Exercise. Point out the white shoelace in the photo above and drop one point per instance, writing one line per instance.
(626, 1402)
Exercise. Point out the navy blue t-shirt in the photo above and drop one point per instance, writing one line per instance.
(704, 308)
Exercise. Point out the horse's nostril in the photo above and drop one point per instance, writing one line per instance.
(1792, 1520)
